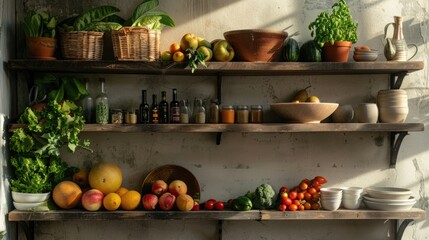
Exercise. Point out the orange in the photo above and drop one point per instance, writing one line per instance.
(112, 201)
(174, 47)
(178, 57)
(67, 194)
(130, 200)
(184, 202)
(121, 191)
(106, 177)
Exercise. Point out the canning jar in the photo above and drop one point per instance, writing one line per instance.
(228, 114)
(116, 116)
(256, 114)
(242, 114)
(214, 112)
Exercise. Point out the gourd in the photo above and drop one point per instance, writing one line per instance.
(291, 50)
(310, 52)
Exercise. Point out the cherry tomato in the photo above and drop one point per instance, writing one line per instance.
(315, 206)
(283, 189)
(307, 196)
(318, 188)
(300, 196)
(284, 195)
(282, 207)
(293, 195)
(305, 180)
(219, 206)
(303, 186)
(316, 197)
(307, 206)
(209, 205)
(196, 206)
(301, 207)
(284, 200)
(320, 179)
(312, 190)
(288, 201)
(315, 183)
(293, 207)
(296, 202)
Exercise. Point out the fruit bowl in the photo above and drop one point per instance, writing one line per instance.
(306, 112)
(169, 173)
(256, 45)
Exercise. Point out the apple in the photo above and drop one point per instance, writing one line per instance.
(167, 201)
(92, 200)
(177, 187)
(203, 42)
(149, 201)
(207, 52)
(223, 51)
(159, 187)
(188, 40)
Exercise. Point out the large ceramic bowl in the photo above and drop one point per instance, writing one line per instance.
(388, 193)
(20, 197)
(388, 206)
(33, 206)
(256, 45)
(305, 112)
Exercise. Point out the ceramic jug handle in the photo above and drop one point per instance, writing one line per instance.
(386, 28)
(415, 46)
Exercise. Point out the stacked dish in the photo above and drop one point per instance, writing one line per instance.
(29, 201)
(392, 105)
(389, 199)
(330, 198)
(365, 55)
(352, 197)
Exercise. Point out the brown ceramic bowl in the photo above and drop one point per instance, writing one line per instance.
(256, 45)
(305, 112)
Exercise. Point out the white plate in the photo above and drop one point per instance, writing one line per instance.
(36, 206)
(381, 200)
(389, 192)
(388, 206)
(30, 197)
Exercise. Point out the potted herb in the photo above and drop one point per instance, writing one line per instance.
(335, 32)
(39, 28)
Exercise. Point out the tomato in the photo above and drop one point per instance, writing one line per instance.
(284, 195)
(288, 201)
(312, 190)
(296, 202)
(303, 186)
(318, 188)
(305, 180)
(315, 183)
(315, 206)
(282, 207)
(307, 196)
(196, 206)
(293, 195)
(209, 205)
(307, 206)
(300, 196)
(320, 179)
(284, 200)
(293, 207)
(301, 207)
(316, 197)
(284, 189)
(219, 206)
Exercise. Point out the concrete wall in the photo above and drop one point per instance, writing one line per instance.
(243, 161)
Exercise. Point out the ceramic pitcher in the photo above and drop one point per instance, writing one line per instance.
(396, 47)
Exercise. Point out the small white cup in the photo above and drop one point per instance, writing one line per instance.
(367, 113)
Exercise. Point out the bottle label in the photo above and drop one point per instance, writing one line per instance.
(175, 114)
(155, 116)
(184, 118)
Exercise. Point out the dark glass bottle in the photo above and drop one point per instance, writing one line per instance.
(163, 108)
(174, 109)
(154, 110)
(144, 109)
(88, 105)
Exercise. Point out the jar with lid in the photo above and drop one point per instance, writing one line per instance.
(214, 112)
(242, 114)
(256, 114)
(116, 116)
(199, 112)
(228, 114)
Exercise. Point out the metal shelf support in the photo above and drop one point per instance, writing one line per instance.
(395, 145)
(402, 228)
(396, 79)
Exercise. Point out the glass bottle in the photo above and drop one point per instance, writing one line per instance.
(184, 112)
(174, 108)
(256, 114)
(163, 108)
(102, 105)
(88, 105)
(154, 110)
(199, 112)
(144, 108)
(214, 112)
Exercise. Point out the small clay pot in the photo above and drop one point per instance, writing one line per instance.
(339, 52)
(41, 47)
(367, 113)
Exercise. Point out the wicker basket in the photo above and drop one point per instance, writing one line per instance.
(82, 45)
(136, 44)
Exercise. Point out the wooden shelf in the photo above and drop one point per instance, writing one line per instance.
(66, 215)
(215, 68)
(255, 128)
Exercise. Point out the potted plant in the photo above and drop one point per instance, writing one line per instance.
(39, 28)
(335, 32)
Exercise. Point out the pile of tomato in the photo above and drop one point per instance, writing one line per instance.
(305, 196)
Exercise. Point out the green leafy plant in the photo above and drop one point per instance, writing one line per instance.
(147, 14)
(58, 89)
(39, 24)
(35, 149)
(99, 19)
(335, 26)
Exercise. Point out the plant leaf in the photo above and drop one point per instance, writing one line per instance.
(162, 17)
(147, 21)
(103, 26)
(96, 14)
(142, 8)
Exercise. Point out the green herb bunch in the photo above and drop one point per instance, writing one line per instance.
(39, 24)
(35, 149)
(335, 26)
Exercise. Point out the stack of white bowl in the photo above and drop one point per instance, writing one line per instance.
(29, 201)
(389, 198)
(392, 105)
(352, 197)
(330, 198)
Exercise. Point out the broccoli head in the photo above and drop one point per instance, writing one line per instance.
(263, 197)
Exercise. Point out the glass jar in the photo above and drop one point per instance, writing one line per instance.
(184, 112)
(228, 114)
(199, 112)
(102, 106)
(117, 117)
(214, 112)
(256, 114)
(242, 114)
(131, 118)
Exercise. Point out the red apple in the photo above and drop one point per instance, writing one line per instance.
(92, 200)
(167, 201)
(149, 201)
(159, 187)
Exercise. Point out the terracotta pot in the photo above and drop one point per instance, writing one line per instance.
(339, 52)
(41, 47)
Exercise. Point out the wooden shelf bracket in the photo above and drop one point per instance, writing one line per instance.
(395, 145)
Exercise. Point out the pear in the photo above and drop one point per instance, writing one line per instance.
(301, 95)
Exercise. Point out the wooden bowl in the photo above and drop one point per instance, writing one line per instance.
(256, 45)
(306, 112)
(169, 173)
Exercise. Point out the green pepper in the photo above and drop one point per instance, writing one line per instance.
(241, 204)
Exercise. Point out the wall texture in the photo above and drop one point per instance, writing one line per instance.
(243, 161)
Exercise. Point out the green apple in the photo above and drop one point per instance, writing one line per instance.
(188, 40)
(207, 52)
(223, 51)
(203, 42)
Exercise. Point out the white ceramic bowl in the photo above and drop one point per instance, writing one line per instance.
(28, 206)
(382, 200)
(30, 197)
(330, 205)
(351, 202)
(388, 206)
(352, 190)
(306, 112)
(331, 191)
(389, 193)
